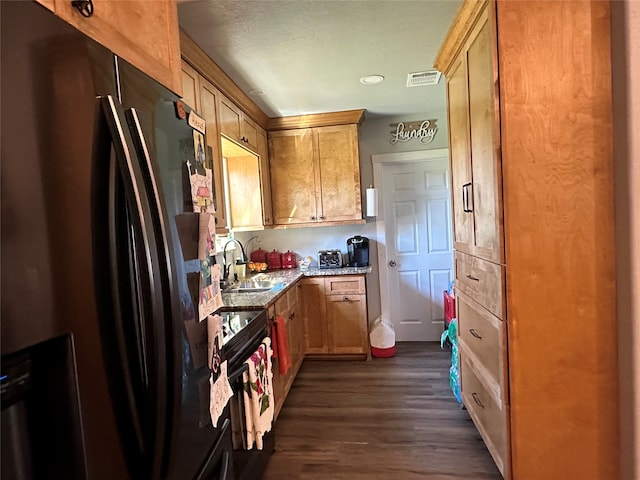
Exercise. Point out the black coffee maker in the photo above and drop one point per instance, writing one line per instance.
(358, 251)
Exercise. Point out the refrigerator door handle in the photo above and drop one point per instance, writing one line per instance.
(125, 256)
(167, 385)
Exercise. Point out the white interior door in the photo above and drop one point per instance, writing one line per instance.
(416, 261)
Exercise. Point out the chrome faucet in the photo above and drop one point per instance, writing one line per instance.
(243, 257)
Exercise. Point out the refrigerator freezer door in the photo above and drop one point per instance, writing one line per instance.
(169, 142)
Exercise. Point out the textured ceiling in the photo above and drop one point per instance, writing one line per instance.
(308, 55)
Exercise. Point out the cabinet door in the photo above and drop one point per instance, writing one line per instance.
(143, 33)
(339, 161)
(191, 87)
(313, 312)
(230, 118)
(242, 186)
(347, 324)
(243, 196)
(485, 158)
(265, 178)
(294, 176)
(249, 132)
(208, 109)
(459, 153)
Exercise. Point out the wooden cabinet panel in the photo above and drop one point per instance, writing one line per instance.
(482, 336)
(485, 159)
(191, 88)
(481, 280)
(236, 126)
(243, 183)
(265, 177)
(202, 96)
(315, 175)
(459, 154)
(339, 164)
(550, 180)
(489, 417)
(293, 176)
(314, 314)
(229, 119)
(336, 323)
(344, 284)
(249, 132)
(207, 108)
(475, 157)
(143, 33)
(348, 333)
(287, 307)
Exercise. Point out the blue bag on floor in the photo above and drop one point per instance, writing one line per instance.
(454, 372)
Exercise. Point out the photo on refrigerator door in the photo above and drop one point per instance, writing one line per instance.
(200, 176)
(210, 295)
(207, 236)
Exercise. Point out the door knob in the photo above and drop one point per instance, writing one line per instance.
(392, 263)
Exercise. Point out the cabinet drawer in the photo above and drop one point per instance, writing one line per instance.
(482, 336)
(489, 417)
(482, 281)
(344, 284)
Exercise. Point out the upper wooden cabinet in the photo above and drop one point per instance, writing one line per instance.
(265, 177)
(242, 186)
(236, 125)
(315, 175)
(202, 96)
(533, 195)
(143, 33)
(475, 159)
(241, 173)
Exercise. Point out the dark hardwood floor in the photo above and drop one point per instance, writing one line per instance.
(390, 418)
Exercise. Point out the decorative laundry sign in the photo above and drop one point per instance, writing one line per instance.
(423, 130)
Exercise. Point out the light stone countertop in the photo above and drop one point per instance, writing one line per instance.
(288, 278)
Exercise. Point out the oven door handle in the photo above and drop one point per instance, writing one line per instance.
(237, 372)
(204, 470)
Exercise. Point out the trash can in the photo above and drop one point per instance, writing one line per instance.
(382, 338)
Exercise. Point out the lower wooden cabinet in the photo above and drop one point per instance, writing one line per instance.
(313, 311)
(335, 315)
(287, 308)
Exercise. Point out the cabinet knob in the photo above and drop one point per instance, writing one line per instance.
(321, 217)
(313, 217)
(345, 299)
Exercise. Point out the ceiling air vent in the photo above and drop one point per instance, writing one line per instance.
(419, 79)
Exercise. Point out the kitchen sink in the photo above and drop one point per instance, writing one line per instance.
(255, 284)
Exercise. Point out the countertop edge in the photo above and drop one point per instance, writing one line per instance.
(289, 277)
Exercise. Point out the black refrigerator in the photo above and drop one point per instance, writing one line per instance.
(98, 374)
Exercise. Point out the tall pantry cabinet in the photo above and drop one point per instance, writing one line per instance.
(529, 100)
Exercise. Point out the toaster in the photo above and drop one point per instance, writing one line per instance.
(329, 259)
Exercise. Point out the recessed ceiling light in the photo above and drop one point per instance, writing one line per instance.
(257, 92)
(371, 79)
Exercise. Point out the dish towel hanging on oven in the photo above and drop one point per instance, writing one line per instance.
(280, 344)
(258, 394)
